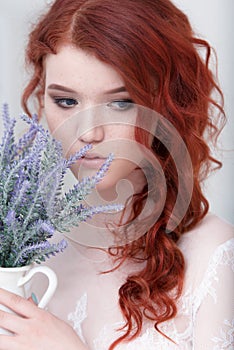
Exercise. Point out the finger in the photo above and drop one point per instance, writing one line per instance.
(17, 304)
(33, 299)
(11, 322)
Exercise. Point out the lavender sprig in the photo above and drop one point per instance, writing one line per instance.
(32, 204)
(37, 252)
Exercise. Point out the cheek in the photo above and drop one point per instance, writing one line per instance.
(55, 116)
(122, 168)
(120, 131)
(51, 125)
(127, 151)
(120, 140)
(50, 113)
(60, 126)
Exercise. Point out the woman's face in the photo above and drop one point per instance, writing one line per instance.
(86, 102)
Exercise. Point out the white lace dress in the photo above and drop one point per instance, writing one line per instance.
(88, 300)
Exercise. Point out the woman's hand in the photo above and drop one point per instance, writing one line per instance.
(33, 328)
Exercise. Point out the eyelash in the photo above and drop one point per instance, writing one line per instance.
(59, 100)
(127, 104)
(71, 102)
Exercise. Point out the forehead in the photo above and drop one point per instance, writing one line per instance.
(76, 68)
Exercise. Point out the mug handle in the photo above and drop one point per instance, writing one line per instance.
(53, 282)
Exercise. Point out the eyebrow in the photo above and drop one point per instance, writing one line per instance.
(66, 89)
(115, 91)
(60, 88)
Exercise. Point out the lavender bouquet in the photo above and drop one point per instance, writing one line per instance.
(32, 205)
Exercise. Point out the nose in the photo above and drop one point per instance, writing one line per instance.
(90, 128)
(93, 135)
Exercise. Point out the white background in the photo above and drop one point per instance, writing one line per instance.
(211, 19)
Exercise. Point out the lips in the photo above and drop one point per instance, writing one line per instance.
(92, 161)
(94, 156)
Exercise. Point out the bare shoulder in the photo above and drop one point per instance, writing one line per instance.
(212, 232)
(205, 247)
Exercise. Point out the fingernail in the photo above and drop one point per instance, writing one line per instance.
(34, 298)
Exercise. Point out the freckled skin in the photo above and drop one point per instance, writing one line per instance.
(86, 83)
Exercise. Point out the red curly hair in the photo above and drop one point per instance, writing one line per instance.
(150, 43)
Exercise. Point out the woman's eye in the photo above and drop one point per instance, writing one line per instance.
(65, 102)
(121, 105)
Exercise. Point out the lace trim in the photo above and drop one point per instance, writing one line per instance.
(226, 337)
(146, 341)
(188, 306)
(78, 316)
(223, 255)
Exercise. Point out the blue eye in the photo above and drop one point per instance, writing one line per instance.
(121, 105)
(65, 102)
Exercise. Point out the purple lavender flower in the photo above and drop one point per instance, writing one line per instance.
(78, 155)
(32, 204)
(10, 218)
(48, 228)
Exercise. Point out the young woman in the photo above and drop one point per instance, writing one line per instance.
(128, 77)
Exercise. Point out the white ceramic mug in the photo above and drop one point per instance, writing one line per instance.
(14, 279)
